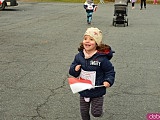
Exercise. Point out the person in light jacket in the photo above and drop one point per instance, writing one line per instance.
(133, 3)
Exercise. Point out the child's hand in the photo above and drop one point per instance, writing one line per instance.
(77, 68)
(106, 84)
(95, 8)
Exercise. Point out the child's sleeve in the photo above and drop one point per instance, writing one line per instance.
(110, 54)
(72, 71)
(85, 6)
(109, 73)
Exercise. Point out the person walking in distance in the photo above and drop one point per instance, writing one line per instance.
(155, 2)
(133, 3)
(143, 2)
(93, 63)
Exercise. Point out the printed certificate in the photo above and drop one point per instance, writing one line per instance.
(88, 75)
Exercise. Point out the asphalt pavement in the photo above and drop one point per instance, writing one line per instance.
(38, 43)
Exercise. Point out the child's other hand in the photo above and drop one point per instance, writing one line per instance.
(95, 9)
(77, 68)
(106, 84)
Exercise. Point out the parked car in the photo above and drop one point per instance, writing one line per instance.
(7, 3)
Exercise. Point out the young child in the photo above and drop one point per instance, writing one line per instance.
(133, 3)
(90, 7)
(93, 56)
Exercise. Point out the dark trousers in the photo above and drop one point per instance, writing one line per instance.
(96, 105)
(143, 2)
(133, 4)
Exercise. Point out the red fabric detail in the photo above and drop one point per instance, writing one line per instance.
(105, 51)
(78, 80)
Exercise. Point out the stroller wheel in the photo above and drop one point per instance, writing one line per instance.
(127, 21)
(113, 22)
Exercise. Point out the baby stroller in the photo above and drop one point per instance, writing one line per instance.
(120, 12)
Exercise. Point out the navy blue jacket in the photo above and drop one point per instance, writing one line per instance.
(104, 71)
